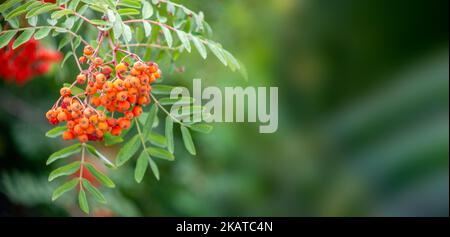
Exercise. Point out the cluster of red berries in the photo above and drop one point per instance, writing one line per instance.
(27, 61)
(122, 95)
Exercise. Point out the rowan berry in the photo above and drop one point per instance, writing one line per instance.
(111, 122)
(84, 123)
(95, 101)
(88, 50)
(121, 68)
(106, 70)
(116, 131)
(137, 111)
(83, 138)
(65, 91)
(119, 84)
(70, 124)
(81, 79)
(82, 59)
(100, 78)
(68, 135)
(98, 61)
(103, 126)
(124, 123)
(78, 130)
(62, 116)
(122, 96)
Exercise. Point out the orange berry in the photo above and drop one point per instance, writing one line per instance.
(122, 96)
(133, 91)
(77, 130)
(103, 126)
(106, 70)
(81, 79)
(91, 89)
(108, 86)
(111, 122)
(124, 123)
(137, 111)
(75, 114)
(84, 123)
(132, 99)
(82, 59)
(157, 74)
(101, 116)
(70, 124)
(93, 119)
(65, 91)
(98, 61)
(129, 115)
(62, 116)
(68, 135)
(121, 68)
(143, 100)
(116, 131)
(123, 105)
(88, 50)
(95, 101)
(83, 138)
(50, 114)
(119, 84)
(100, 78)
(90, 129)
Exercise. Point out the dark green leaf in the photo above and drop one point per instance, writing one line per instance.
(141, 166)
(42, 33)
(64, 188)
(160, 153)
(65, 152)
(82, 201)
(100, 176)
(55, 132)
(150, 120)
(161, 89)
(64, 170)
(169, 134)
(187, 139)
(8, 4)
(112, 140)
(91, 149)
(94, 191)
(128, 150)
(24, 37)
(157, 139)
(6, 37)
(201, 127)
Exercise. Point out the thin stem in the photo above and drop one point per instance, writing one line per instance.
(75, 55)
(167, 112)
(140, 134)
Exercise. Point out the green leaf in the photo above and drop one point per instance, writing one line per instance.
(73, 4)
(66, 57)
(64, 170)
(157, 139)
(65, 152)
(200, 47)
(100, 22)
(161, 89)
(127, 33)
(8, 4)
(130, 3)
(169, 134)
(184, 40)
(187, 139)
(40, 10)
(24, 37)
(154, 168)
(103, 179)
(147, 28)
(160, 153)
(128, 150)
(167, 36)
(150, 120)
(201, 127)
(33, 20)
(94, 191)
(59, 14)
(64, 188)
(56, 131)
(147, 10)
(91, 149)
(128, 12)
(218, 52)
(82, 201)
(112, 140)
(19, 10)
(6, 37)
(42, 33)
(64, 41)
(141, 166)
(178, 101)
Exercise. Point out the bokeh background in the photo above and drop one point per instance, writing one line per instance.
(363, 119)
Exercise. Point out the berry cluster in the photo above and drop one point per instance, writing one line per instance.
(106, 95)
(28, 60)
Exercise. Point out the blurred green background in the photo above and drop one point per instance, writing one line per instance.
(363, 119)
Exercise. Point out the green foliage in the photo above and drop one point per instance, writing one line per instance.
(161, 27)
